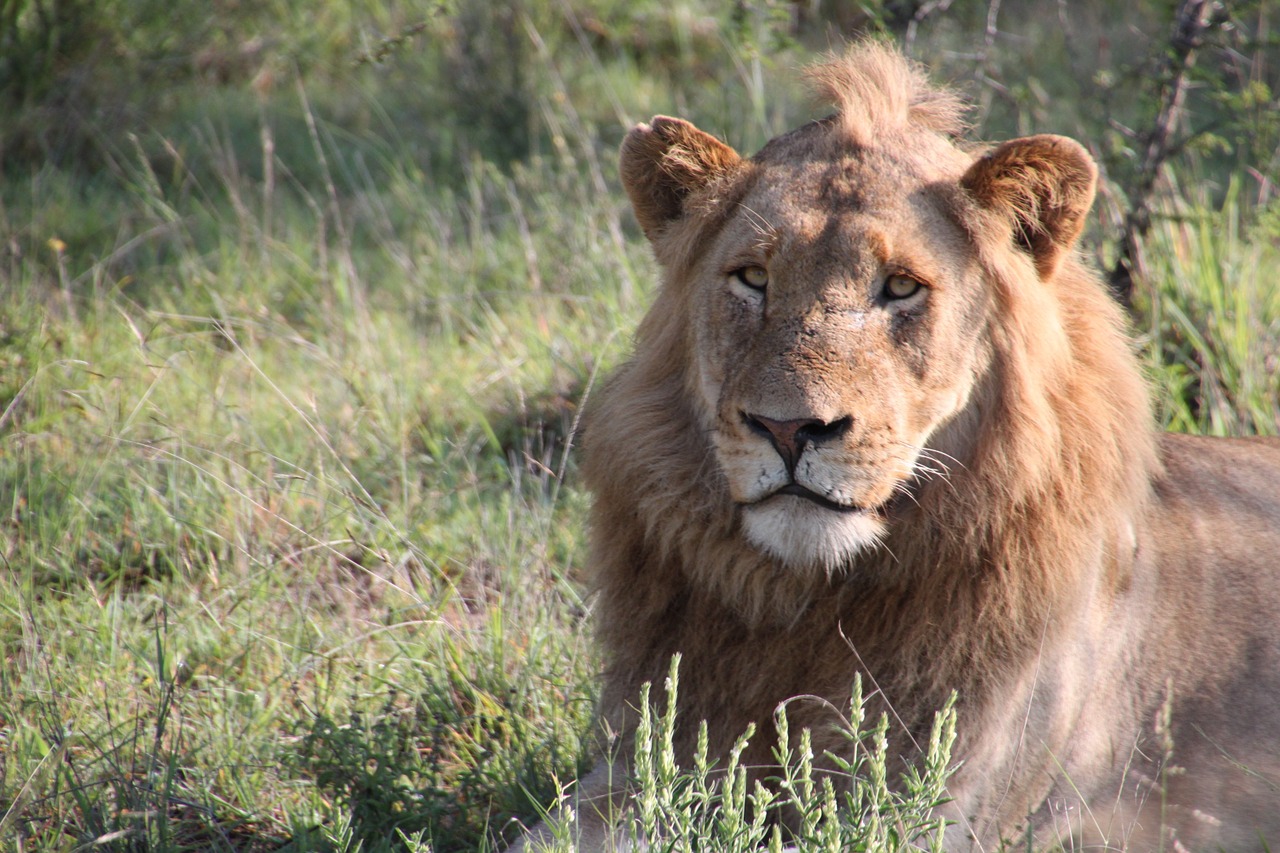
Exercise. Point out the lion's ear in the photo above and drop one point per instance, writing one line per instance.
(1045, 184)
(663, 162)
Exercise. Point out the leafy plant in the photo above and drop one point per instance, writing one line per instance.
(706, 808)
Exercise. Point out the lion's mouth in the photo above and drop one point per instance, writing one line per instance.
(902, 498)
(799, 491)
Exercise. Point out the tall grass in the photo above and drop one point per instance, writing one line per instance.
(290, 529)
(1212, 318)
(291, 540)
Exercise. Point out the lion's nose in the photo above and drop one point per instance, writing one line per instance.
(791, 437)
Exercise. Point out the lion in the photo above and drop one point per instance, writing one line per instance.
(883, 420)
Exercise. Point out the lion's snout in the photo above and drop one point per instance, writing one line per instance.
(790, 438)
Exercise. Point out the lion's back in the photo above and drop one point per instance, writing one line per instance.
(1214, 538)
(1218, 499)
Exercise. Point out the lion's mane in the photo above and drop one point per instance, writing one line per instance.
(1065, 451)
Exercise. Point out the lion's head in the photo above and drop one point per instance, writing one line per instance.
(867, 325)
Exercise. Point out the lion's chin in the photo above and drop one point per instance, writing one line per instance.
(803, 535)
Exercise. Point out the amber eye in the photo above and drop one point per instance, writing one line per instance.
(756, 278)
(899, 286)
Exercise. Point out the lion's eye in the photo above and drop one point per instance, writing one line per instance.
(899, 286)
(756, 278)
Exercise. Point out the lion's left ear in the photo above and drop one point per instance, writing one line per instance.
(1045, 184)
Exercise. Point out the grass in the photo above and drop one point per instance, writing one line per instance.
(1213, 321)
(291, 541)
(284, 544)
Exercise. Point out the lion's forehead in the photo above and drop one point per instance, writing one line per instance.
(889, 164)
(810, 196)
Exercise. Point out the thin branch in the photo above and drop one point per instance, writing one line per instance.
(1191, 21)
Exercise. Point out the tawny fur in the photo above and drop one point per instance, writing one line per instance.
(1051, 559)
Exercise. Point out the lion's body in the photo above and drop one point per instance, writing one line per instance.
(881, 420)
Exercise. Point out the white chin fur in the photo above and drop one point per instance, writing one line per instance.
(803, 535)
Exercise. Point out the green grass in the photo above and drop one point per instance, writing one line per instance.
(291, 537)
(291, 540)
(1213, 319)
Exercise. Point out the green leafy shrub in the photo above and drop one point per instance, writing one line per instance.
(706, 808)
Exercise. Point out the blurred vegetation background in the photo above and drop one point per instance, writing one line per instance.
(298, 306)
(98, 87)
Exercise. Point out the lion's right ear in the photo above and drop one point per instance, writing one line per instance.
(666, 160)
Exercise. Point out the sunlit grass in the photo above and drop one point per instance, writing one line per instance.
(1213, 320)
(290, 523)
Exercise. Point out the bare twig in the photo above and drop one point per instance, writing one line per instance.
(1191, 21)
(982, 72)
(923, 11)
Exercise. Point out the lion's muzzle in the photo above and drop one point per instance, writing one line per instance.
(791, 437)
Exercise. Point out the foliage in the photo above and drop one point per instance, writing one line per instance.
(705, 808)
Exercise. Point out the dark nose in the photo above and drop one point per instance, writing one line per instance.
(790, 438)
